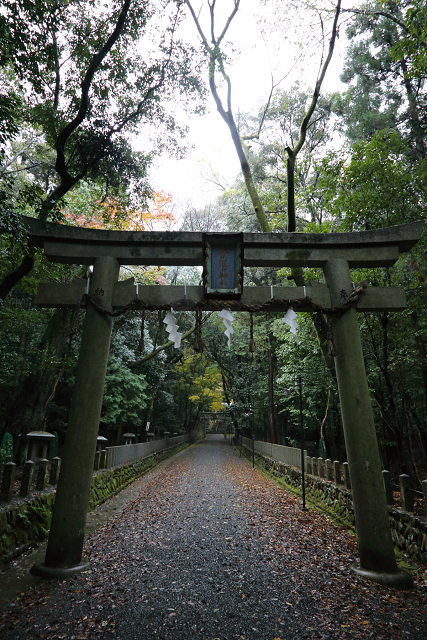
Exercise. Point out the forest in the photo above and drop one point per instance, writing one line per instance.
(79, 81)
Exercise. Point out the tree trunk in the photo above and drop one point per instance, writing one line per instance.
(248, 177)
(421, 348)
(29, 408)
(290, 169)
(12, 278)
(414, 120)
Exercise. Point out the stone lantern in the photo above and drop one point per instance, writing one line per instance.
(38, 444)
(129, 438)
(100, 443)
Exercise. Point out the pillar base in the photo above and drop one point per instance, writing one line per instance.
(59, 573)
(400, 579)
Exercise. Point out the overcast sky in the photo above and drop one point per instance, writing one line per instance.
(251, 72)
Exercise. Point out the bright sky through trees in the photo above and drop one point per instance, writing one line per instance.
(264, 52)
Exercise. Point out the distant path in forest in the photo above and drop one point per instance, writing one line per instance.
(208, 548)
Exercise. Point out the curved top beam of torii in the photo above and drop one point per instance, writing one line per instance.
(76, 245)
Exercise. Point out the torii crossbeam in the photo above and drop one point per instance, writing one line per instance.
(335, 253)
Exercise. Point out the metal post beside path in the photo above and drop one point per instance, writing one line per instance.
(253, 451)
(301, 417)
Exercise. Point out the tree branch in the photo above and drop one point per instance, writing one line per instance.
(373, 12)
(12, 278)
(215, 58)
(292, 153)
(316, 93)
(229, 20)
(212, 14)
(199, 28)
(16, 156)
(57, 74)
(166, 345)
(155, 352)
(152, 89)
(66, 132)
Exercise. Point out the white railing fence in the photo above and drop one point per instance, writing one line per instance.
(130, 452)
(278, 452)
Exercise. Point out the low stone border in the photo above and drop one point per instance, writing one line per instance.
(408, 531)
(27, 523)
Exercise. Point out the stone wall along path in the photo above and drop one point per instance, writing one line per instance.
(211, 549)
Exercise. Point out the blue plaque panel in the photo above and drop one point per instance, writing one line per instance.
(223, 266)
(223, 271)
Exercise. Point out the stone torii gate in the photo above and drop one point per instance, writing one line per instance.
(335, 253)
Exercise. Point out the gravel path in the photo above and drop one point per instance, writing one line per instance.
(211, 549)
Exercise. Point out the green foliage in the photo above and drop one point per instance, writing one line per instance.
(21, 330)
(40, 517)
(6, 451)
(75, 88)
(413, 42)
(303, 359)
(383, 68)
(124, 397)
(377, 178)
(205, 380)
(377, 186)
(268, 156)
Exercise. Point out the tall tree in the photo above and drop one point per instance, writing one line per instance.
(413, 41)
(217, 62)
(85, 89)
(377, 185)
(217, 66)
(306, 122)
(386, 82)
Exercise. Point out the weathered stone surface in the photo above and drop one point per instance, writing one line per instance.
(42, 475)
(347, 481)
(55, 467)
(67, 295)
(103, 459)
(73, 494)
(388, 487)
(7, 481)
(315, 463)
(80, 246)
(21, 526)
(408, 531)
(97, 460)
(356, 256)
(26, 479)
(406, 493)
(337, 472)
(373, 530)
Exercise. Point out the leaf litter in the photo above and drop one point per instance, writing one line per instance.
(213, 549)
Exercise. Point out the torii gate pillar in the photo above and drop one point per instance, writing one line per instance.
(376, 552)
(66, 537)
